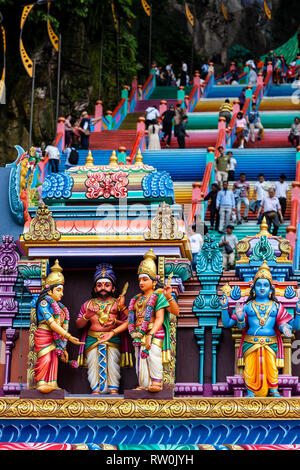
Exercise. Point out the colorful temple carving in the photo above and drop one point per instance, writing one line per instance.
(116, 213)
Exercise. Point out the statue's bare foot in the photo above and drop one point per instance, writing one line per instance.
(95, 393)
(139, 388)
(155, 387)
(114, 392)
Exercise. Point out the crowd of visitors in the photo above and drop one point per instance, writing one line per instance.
(225, 203)
(283, 72)
(244, 125)
(165, 76)
(176, 115)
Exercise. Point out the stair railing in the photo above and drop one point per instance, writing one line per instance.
(207, 178)
(293, 233)
(149, 86)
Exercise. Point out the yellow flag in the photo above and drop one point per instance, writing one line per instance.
(53, 37)
(224, 11)
(267, 10)
(189, 15)
(116, 23)
(26, 10)
(146, 7)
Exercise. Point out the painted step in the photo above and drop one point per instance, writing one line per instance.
(269, 119)
(142, 105)
(267, 104)
(189, 164)
(167, 92)
(112, 140)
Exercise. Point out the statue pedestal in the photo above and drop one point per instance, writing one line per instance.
(36, 394)
(165, 394)
(288, 385)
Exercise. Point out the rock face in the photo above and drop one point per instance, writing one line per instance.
(220, 24)
(240, 22)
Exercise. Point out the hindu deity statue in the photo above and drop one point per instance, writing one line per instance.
(149, 325)
(105, 320)
(51, 336)
(263, 319)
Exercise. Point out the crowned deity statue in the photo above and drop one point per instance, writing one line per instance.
(148, 325)
(262, 320)
(104, 319)
(51, 336)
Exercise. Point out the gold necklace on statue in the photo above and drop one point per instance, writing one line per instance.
(141, 304)
(103, 315)
(262, 318)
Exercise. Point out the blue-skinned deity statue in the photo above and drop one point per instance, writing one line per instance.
(262, 319)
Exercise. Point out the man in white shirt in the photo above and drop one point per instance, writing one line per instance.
(196, 241)
(260, 192)
(183, 76)
(272, 211)
(281, 188)
(231, 167)
(152, 114)
(52, 152)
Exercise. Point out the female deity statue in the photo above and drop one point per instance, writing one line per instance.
(148, 325)
(51, 336)
(262, 319)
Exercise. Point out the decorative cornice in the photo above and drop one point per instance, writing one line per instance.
(179, 408)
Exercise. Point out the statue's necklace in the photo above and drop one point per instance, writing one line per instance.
(103, 315)
(141, 304)
(262, 318)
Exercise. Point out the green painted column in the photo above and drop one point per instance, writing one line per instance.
(181, 95)
(207, 305)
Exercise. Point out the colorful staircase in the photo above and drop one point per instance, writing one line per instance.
(112, 140)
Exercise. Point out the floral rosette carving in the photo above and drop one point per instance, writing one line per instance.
(107, 185)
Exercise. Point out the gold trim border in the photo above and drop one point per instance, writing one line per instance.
(179, 408)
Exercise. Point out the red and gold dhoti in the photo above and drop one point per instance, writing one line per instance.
(45, 371)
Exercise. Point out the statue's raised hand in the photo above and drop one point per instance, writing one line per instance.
(239, 311)
(287, 330)
(224, 301)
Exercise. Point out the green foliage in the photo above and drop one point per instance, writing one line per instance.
(238, 52)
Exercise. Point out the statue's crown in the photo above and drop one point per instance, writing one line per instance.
(148, 265)
(56, 276)
(264, 272)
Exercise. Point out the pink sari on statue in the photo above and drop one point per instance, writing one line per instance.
(45, 371)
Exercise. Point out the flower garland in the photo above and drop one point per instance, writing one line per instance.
(58, 309)
(135, 334)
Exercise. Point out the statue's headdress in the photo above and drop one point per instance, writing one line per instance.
(105, 271)
(148, 265)
(264, 272)
(55, 277)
